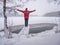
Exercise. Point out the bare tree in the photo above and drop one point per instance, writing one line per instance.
(6, 30)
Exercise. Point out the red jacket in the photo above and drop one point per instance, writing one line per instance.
(26, 13)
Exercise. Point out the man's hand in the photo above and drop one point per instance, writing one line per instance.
(17, 9)
(34, 10)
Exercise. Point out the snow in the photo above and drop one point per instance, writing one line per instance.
(44, 38)
(24, 31)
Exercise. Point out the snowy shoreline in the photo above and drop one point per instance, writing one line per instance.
(34, 28)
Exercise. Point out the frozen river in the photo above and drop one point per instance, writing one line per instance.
(32, 20)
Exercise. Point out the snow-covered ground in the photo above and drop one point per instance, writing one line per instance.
(44, 38)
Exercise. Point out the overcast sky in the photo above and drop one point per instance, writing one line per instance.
(41, 6)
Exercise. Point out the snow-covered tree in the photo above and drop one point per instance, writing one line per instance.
(6, 30)
(55, 1)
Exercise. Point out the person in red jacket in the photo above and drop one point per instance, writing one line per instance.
(26, 15)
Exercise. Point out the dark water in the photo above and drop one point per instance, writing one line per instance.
(38, 29)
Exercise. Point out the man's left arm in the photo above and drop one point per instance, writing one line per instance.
(32, 11)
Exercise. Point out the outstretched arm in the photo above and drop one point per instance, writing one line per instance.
(32, 11)
(20, 10)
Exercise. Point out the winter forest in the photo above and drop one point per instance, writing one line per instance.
(29, 22)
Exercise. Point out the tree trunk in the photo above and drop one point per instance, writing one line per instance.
(6, 32)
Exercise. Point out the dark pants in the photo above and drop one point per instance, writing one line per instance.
(26, 22)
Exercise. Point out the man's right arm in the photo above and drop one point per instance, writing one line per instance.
(20, 10)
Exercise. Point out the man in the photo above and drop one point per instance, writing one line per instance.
(26, 15)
